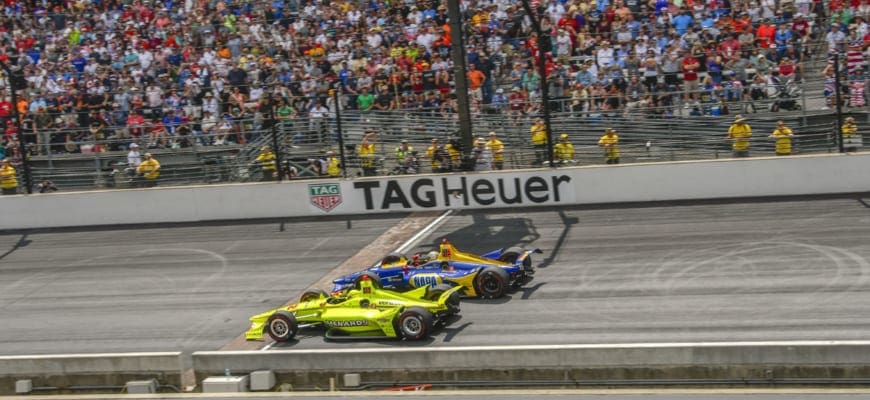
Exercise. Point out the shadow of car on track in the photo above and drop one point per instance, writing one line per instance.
(478, 237)
(485, 234)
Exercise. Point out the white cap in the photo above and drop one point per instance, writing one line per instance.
(134, 145)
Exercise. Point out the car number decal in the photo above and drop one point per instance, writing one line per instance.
(425, 280)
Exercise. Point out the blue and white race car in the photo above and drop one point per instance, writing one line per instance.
(490, 275)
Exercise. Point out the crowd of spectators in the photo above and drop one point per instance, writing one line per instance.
(177, 73)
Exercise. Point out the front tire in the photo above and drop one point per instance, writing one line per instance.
(452, 302)
(415, 323)
(491, 283)
(282, 326)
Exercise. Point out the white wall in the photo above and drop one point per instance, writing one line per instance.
(819, 174)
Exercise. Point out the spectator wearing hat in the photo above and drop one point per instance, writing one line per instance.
(210, 104)
(739, 133)
(147, 172)
(499, 101)
(8, 179)
(610, 143)
(481, 155)
(783, 135)
(497, 148)
(403, 150)
(266, 161)
(438, 158)
(564, 150)
(134, 159)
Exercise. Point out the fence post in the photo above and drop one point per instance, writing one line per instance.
(338, 128)
(274, 130)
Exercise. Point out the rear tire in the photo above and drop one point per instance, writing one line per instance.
(491, 283)
(392, 257)
(511, 254)
(415, 323)
(376, 280)
(312, 295)
(452, 302)
(282, 326)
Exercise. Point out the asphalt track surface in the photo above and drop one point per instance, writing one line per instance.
(160, 288)
(711, 272)
(772, 270)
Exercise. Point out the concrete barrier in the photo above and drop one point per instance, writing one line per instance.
(756, 177)
(96, 370)
(738, 361)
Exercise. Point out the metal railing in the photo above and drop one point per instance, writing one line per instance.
(641, 140)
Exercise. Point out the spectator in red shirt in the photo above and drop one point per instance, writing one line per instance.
(765, 33)
(136, 124)
(690, 67)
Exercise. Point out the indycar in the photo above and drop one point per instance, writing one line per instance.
(365, 312)
(489, 275)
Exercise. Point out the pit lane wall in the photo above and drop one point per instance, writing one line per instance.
(756, 177)
(644, 364)
(739, 363)
(105, 372)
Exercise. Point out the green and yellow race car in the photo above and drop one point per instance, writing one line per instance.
(361, 312)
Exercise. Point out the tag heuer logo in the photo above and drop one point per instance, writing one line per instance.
(325, 196)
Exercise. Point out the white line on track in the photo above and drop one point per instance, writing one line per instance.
(405, 246)
(423, 232)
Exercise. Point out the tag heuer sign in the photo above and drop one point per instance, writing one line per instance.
(325, 196)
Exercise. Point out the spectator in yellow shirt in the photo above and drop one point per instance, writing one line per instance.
(366, 155)
(564, 150)
(740, 132)
(435, 154)
(333, 164)
(497, 149)
(539, 140)
(266, 160)
(783, 135)
(850, 131)
(148, 171)
(8, 179)
(610, 143)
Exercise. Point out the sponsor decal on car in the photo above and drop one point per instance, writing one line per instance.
(390, 303)
(425, 280)
(324, 196)
(346, 324)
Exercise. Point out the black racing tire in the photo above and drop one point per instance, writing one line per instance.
(393, 257)
(511, 254)
(415, 323)
(313, 294)
(282, 326)
(436, 291)
(491, 283)
(376, 280)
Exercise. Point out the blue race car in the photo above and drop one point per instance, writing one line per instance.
(488, 276)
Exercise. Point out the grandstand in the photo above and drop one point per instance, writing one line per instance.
(214, 81)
